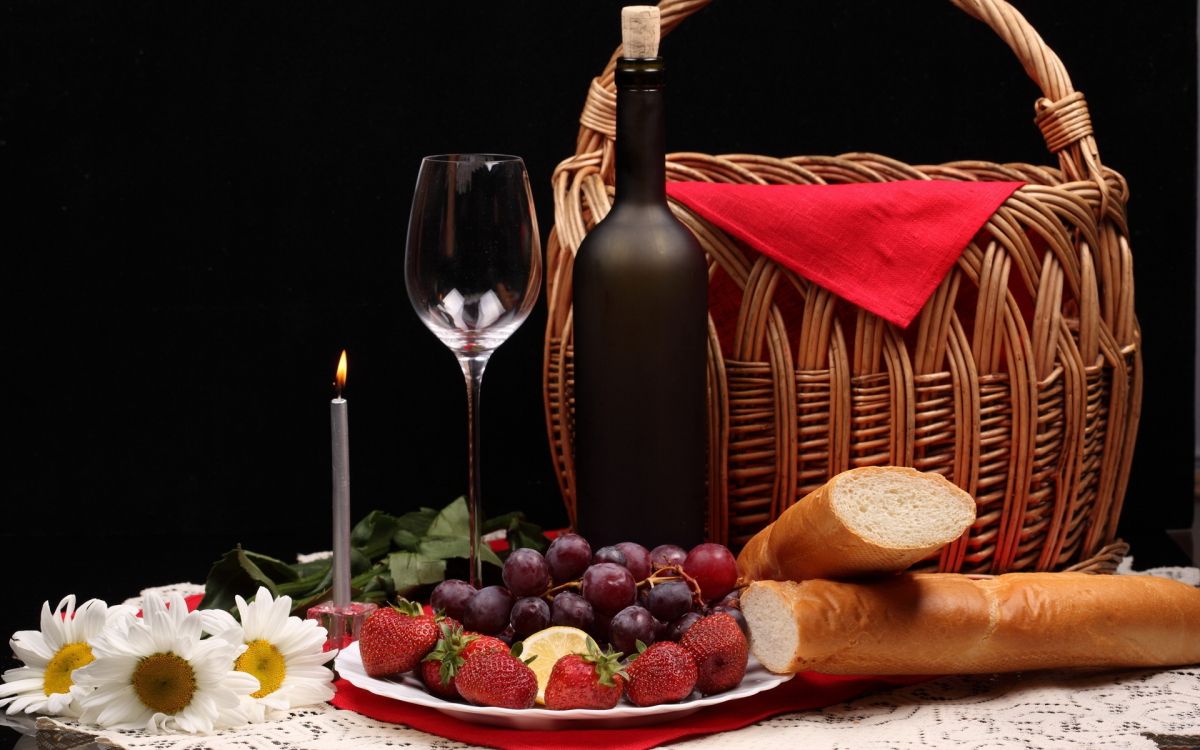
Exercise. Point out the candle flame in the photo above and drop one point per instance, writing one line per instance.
(341, 373)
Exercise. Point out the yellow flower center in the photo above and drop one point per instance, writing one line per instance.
(164, 682)
(58, 672)
(264, 661)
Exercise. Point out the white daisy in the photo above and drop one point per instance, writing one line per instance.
(51, 656)
(159, 675)
(285, 653)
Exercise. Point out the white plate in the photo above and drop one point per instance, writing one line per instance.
(410, 690)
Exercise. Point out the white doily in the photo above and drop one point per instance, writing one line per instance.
(1190, 576)
(1037, 710)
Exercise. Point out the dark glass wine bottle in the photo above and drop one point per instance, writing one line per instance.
(640, 334)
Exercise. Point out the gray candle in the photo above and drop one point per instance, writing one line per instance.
(340, 434)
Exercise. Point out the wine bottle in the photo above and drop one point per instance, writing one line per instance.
(640, 334)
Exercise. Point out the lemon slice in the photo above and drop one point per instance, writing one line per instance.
(549, 646)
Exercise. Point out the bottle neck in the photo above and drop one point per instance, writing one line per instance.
(641, 126)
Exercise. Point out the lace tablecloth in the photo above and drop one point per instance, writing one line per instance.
(1130, 709)
(1055, 709)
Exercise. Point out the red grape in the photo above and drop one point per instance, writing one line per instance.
(631, 625)
(609, 587)
(667, 554)
(680, 626)
(737, 616)
(670, 600)
(637, 559)
(488, 610)
(529, 615)
(568, 556)
(600, 627)
(608, 554)
(526, 572)
(571, 609)
(714, 568)
(451, 597)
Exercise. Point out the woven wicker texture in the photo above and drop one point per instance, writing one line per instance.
(1020, 380)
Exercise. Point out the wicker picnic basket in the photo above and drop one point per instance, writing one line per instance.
(1020, 380)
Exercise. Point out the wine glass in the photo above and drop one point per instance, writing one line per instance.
(473, 266)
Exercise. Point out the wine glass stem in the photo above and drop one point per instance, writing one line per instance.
(472, 367)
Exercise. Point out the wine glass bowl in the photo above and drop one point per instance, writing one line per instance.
(472, 269)
(473, 264)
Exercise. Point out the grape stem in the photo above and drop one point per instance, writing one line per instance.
(657, 577)
(664, 574)
(550, 592)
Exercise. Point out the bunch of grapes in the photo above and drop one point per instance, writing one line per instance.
(618, 594)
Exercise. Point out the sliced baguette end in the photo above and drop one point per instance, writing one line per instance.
(901, 508)
(774, 632)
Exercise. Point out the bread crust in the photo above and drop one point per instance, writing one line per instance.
(956, 624)
(809, 540)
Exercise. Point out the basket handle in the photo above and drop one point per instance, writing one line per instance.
(1061, 114)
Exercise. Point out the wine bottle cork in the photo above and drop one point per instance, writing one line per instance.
(639, 31)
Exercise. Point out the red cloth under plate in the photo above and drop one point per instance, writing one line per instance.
(809, 690)
(885, 246)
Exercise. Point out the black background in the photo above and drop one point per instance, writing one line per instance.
(205, 203)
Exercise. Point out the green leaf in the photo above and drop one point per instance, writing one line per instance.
(453, 520)
(410, 570)
(443, 547)
(304, 586)
(488, 556)
(312, 568)
(405, 539)
(449, 533)
(240, 572)
(389, 555)
(414, 524)
(373, 534)
(359, 563)
(518, 531)
(277, 570)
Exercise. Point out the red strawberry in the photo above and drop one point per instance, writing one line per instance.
(433, 676)
(591, 680)
(663, 673)
(479, 644)
(395, 639)
(497, 679)
(440, 665)
(720, 650)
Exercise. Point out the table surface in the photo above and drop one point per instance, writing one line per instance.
(1055, 709)
(1150, 709)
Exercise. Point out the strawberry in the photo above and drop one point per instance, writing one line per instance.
(720, 651)
(497, 679)
(591, 680)
(454, 647)
(395, 639)
(433, 675)
(663, 673)
(478, 644)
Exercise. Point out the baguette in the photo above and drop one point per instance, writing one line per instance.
(867, 521)
(944, 623)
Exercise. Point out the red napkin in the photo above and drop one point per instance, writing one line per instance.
(808, 690)
(885, 246)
